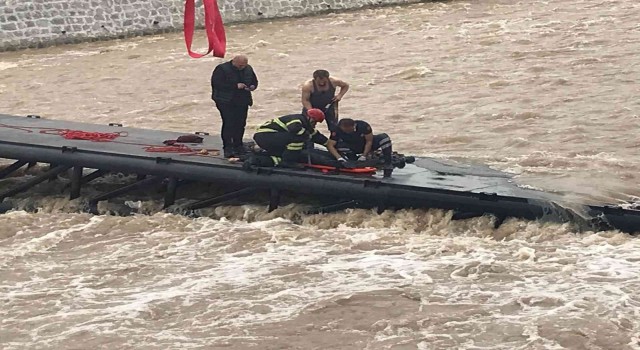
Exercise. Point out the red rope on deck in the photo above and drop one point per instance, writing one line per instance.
(22, 128)
(170, 149)
(111, 137)
(85, 135)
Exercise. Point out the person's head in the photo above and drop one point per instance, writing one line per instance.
(315, 116)
(321, 77)
(347, 125)
(240, 61)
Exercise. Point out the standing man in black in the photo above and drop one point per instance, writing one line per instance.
(231, 85)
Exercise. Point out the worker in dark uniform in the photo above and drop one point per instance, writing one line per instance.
(320, 93)
(356, 136)
(231, 85)
(284, 138)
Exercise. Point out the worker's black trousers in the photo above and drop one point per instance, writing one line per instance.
(234, 121)
(281, 144)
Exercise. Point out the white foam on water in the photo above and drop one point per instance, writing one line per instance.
(7, 65)
(225, 276)
(525, 70)
(47, 241)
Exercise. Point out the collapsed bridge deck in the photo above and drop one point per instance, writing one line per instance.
(427, 183)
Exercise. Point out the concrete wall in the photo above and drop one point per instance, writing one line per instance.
(39, 23)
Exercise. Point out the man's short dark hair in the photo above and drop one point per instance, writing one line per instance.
(347, 122)
(320, 73)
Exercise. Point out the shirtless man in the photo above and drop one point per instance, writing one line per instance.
(320, 93)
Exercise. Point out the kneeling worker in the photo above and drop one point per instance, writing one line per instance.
(357, 136)
(284, 138)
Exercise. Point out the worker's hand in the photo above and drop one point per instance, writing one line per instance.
(336, 99)
(362, 158)
(241, 86)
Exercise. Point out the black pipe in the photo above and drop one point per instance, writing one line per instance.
(219, 199)
(335, 207)
(274, 199)
(170, 195)
(11, 168)
(35, 181)
(122, 190)
(76, 182)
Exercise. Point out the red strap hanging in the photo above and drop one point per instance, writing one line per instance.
(213, 26)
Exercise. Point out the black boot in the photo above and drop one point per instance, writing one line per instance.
(399, 162)
(387, 170)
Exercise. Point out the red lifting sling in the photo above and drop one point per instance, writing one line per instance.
(213, 26)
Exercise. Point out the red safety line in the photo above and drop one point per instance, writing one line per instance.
(111, 137)
(213, 26)
(84, 135)
(170, 149)
(25, 128)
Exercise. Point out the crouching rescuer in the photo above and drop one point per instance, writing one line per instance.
(284, 138)
(353, 137)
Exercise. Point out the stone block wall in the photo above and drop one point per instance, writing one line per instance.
(40, 23)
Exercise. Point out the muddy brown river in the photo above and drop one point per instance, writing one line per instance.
(547, 91)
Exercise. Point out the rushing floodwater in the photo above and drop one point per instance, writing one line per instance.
(544, 90)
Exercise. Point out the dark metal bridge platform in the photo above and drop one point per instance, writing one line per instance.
(469, 191)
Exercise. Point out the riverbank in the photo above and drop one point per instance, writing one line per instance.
(38, 24)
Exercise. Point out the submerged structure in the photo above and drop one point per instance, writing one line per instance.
(89, 151)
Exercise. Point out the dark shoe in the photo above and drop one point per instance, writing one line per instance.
(239, 150)
(400, 163)
(228, 153)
